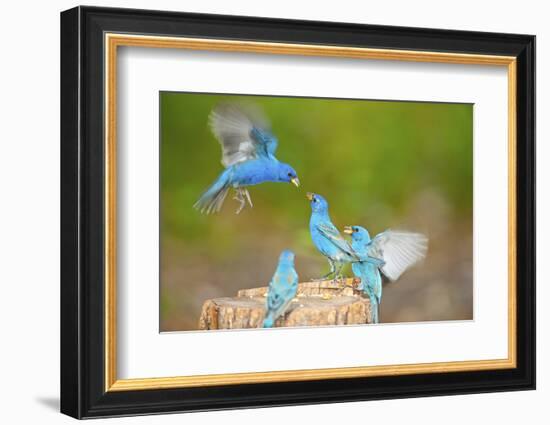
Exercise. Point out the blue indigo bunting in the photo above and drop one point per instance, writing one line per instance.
(248, 155)
(282, 288)
(396, 250)
(327, 239)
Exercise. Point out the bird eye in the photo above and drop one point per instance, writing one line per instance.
(289, 174)
(355, 229)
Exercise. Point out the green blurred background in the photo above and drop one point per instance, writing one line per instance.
(380, 164)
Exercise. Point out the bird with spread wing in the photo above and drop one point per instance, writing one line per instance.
(397, 251)
(248, 155)
(328, 240)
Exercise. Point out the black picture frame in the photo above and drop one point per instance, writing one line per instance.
(83, 392)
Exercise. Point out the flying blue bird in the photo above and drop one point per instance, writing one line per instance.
(327, 238)
(396, 250)
(248, 155)
(282, 288)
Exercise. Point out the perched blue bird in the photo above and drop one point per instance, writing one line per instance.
(282, 288)
(396, 252)
(248, 155)
(327, 238)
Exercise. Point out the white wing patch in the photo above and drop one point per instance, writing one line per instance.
(399, 250)
(232, 124)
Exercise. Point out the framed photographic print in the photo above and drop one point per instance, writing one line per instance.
(261, 212)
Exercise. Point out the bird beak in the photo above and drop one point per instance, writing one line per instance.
(348, 230)
(309, 196)
(295, 181)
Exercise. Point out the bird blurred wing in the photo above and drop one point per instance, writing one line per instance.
(266, 142)
(399, 250)
(242, 133)
(329, 231)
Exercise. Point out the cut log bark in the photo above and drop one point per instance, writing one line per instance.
(324, 303)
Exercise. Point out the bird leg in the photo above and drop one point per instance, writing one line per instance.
(330, 273)
(248, 197)
(346, 285)
(338, 273)
(240, 198)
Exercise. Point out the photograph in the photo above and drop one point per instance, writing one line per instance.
(279, 212)
(287, 210)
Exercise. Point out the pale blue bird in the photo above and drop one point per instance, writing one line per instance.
(396, 250)
(327, 238)
(248, 155)
(282, 289)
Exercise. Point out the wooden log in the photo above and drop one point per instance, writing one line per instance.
(324, 303)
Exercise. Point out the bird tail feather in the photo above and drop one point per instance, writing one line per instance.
(211, 201)
(375, 309)
(268, 321)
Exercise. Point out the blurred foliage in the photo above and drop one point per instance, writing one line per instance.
(370, 159)
(352, 152)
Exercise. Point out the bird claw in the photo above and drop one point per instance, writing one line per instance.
(247, 194)
(240, 208)
(239, 198)
(242, 196)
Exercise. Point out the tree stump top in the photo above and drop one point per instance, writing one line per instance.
(321, 303)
